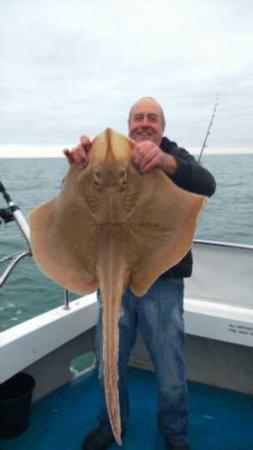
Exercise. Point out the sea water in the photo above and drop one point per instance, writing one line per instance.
(227, 217)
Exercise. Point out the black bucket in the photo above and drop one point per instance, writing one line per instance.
(15, 404)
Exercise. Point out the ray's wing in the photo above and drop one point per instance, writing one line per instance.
(62, 237)
(166, 217)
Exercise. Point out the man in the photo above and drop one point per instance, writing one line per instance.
(164, 338)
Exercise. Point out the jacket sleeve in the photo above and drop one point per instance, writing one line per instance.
(190, 175)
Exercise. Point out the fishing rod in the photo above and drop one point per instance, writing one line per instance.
(209, 128)
(9, 214)
(13, 212)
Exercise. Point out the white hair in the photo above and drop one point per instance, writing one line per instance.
(148, 98)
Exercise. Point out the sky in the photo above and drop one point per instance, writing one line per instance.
(69, 68)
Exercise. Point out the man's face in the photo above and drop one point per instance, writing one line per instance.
(145, 122)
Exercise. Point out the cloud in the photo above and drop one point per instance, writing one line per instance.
(74, 67)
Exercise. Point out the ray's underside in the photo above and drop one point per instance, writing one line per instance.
(112, 227)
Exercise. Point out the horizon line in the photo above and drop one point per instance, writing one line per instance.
(9, 151)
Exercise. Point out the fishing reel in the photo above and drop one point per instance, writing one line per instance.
(6, 215)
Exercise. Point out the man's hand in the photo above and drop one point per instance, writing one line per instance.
(146, 156)
(79, 154)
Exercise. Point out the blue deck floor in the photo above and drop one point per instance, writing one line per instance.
(219, 419)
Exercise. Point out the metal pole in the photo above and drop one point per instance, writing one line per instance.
(66, 300)
(11, 266)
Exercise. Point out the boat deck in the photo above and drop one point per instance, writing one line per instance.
(219, 419)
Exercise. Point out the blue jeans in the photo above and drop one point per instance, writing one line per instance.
(159, 316)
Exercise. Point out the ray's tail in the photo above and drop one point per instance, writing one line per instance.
(112, 278)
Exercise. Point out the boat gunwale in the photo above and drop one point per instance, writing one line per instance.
(223, 244)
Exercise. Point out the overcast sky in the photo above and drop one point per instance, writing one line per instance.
(75, 67)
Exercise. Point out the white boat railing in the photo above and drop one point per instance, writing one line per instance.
(219, 295)
(222, 273)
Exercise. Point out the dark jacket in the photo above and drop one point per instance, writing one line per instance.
(192, 177)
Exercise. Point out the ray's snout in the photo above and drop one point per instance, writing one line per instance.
(111, 176)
